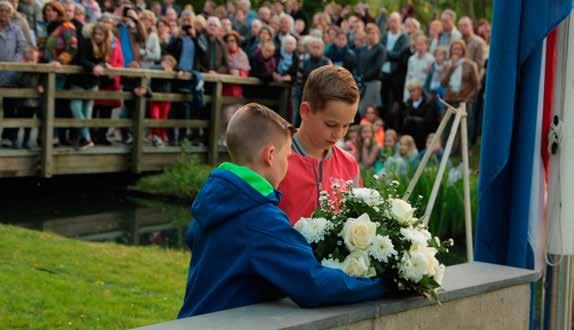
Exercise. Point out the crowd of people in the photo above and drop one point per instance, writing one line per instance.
(401, 67)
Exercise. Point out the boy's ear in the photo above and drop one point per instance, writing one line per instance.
(268, 154)
(304, 109)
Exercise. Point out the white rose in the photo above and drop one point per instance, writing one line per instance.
(357, 264)
(313, 229)
(429, 253)
(368, 196)
(402, 211)
(416, 236)
(382, 248)
(358, 233)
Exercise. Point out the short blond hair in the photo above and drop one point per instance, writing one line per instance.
(330, 83)
(253, 127)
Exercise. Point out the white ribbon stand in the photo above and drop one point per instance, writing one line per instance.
(459, 120)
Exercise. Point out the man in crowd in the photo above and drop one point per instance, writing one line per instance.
(449, 31)
(12, 47)
(394, 69)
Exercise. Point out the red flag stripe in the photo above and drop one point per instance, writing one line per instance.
(547, 107)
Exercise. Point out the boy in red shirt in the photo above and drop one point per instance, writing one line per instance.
(328, 108)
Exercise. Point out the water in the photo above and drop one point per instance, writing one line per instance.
(93, 208)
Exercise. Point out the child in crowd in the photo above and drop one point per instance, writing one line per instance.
(30, 106)
(407, 156)
(159, 110)
(391, 141)
(237, 261)
(352, 139)
(368, 150)
(436, 151)
(379, 127)
(433, 84)
(407, 148)
(330, 103)
(371, 114)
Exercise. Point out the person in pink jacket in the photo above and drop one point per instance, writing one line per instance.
(330, 103)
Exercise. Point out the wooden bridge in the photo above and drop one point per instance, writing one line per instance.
(47, 161)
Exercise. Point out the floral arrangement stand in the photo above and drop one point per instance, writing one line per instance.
(459, 120)
(474, 296)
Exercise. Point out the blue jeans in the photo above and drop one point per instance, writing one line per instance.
(82, 109)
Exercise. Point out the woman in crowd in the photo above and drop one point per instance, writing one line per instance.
(238, 64)
(103, 108)
(92, 58)
(287, 60)
(152, 44)
(164, 34)
(461, 79)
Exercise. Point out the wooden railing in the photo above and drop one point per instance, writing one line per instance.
(279, 101)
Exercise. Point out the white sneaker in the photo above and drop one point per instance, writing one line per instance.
(157, 141)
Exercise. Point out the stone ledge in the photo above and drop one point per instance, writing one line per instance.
(461, 281)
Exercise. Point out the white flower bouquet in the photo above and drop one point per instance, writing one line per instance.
(367, 233)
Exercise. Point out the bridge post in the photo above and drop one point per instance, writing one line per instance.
(48, 126)
(215, 123)
(138, 129)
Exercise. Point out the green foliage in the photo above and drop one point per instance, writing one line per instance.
(183, 180)
(447, 218)
(48, 281)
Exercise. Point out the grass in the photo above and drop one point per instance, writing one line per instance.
(52, 282)
(181, 180)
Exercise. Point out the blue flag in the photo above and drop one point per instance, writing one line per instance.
(509, 134)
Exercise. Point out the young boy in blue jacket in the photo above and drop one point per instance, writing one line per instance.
(244, 250)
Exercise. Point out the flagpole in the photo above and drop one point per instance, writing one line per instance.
(558, 282)
(466, 183)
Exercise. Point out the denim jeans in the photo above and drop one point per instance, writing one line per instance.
(82, 109)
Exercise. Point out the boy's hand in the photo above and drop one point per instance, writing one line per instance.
(56, 64)
(181, 74)
(234, 72)
(287, 78)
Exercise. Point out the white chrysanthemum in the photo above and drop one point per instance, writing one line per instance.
(413, 266)
(416, 236)
(382, 248)
(358, 233)
(368, 196)
(313, 229)
(402, 211)
(332, 263)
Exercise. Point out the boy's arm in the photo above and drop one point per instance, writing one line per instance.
(282, 256)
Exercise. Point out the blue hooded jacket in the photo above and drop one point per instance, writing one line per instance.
(244, 251)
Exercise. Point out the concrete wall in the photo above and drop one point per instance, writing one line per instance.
(502, 309)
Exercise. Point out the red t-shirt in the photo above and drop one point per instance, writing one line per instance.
(307, 176)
